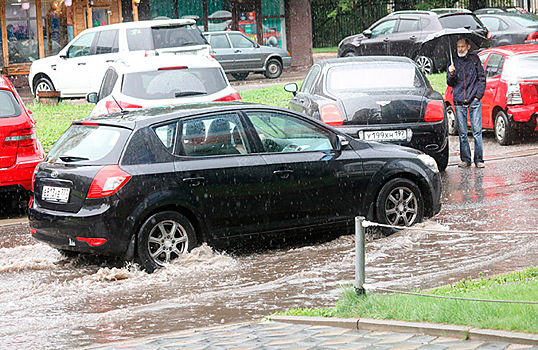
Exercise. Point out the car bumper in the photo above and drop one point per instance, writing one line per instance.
(286, 62)
(431, 138)
(20, 174)
(525, 114)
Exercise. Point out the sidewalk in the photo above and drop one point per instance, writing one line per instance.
(331, 333)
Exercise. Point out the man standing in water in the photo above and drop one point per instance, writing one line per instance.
(468, 81)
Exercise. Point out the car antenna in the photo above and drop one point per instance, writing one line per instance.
(121, 109)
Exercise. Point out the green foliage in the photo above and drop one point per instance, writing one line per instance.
(343, 6)
(273, 96)
(328, 312)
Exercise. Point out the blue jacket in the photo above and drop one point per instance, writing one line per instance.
(469, 79)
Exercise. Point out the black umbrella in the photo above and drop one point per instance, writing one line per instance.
(437, 44)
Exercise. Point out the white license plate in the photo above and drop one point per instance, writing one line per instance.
(385, 135)
(55, 194)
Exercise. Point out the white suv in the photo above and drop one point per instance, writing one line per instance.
(79, 67)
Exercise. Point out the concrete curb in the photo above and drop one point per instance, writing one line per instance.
(433, 329)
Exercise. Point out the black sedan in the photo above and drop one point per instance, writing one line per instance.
(511, 29)
(150, 185)
(376, 99)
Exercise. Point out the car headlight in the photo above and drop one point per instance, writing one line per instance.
(429, 162)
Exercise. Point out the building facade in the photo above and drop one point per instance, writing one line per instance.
(33, 29)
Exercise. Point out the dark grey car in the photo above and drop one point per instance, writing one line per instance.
(239, 55)
(510, 29)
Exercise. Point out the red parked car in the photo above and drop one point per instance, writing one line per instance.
(510, 103)
(20, 150)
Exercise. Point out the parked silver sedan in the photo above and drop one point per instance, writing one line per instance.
(239, 55)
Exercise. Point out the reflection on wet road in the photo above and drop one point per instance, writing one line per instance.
(47, 302)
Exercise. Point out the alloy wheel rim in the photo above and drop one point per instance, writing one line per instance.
(500, 128)
(424, 64)
(167, 241)
(451, 120)
(401, 207)
(43, 87)
(273, 68)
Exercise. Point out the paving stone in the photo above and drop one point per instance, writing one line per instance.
(333, 332)
(465, 346)
(433, 347)
(406, 347)
(395, 339)
(335, 341)
(422, 339)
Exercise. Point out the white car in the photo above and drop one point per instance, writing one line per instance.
(161, 81)
(79, 67)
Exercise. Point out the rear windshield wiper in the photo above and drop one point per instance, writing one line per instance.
(69, 159)
(189, 93)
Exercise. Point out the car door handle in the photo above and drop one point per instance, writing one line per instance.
(82, 63)
(283, 173)
(53, 66)
(237, 51)
(194, 181)
(110, 61)
(413, 37)
(386, 40)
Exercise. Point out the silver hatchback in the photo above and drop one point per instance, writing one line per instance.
(239, 55)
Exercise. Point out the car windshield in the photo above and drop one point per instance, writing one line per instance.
(373, 75)
(88, 143)
(173, 83)
(460, 21)
(164, 37)
(523, 67)
(8, 105)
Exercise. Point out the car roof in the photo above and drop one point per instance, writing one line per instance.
(223, 32)
(363, 59)
(5, 83)
(512, 50)
(141, 64)
(145, 24)
(153, 115)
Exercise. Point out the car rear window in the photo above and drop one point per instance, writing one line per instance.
(164, 37)
(373, 75)
(9, 107)
(173, 83)
(523, 66)
(460, 21)
(89, 144)
(525, 21)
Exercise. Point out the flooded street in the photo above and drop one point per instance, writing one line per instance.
(49, 302)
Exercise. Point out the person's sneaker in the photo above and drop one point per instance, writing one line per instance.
(464, 165)
(480, 165)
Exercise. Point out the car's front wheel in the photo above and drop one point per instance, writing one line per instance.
(165, 236)
(43, 84)
(452, 124)
(503, 129)
(273, 69)
(400, 203)
(425, 64)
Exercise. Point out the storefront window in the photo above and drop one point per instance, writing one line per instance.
(21, 27)
(99, 17)
(274, 27)
(55, 35)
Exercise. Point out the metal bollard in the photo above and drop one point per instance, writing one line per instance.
(359, 256)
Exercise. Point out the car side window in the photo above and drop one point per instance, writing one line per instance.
(167, 134)
(483, 58)
(280, 133)
(492, 23)
(81, 47)
(494, 66)
(408, 25)
(107, 42)
(310, 79)
(221, 134)
(386, 27)
(109, 80)
(219, 41)
(241, 42)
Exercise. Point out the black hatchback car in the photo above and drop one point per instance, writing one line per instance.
(154, 183)
(382, 98)
(402, 33)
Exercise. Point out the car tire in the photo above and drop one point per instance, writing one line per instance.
(452, 124)
(441, 158)
(162, 238)
(240, 76)
(273, 69)
(503, 129)
(43, 84)
(350, 54)
(400, 203)
(425, 64)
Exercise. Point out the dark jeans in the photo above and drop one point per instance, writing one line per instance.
(475, 113)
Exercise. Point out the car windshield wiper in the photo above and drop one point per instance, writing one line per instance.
(69, 159)
(189, 93)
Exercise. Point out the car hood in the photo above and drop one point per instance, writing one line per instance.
(353, 39)
(393, 150)
(369, 108)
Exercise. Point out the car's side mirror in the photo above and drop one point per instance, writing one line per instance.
(92, 97)
(367, 33)
(341, 142)
(291, 87)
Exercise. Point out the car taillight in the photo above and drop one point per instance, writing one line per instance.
(113, 107)
(94, 242)
(232, 97)
(21, 138)
(435, 111)
(173, 68)
(488, 36)
(513, 94)
(330, 115)
(532, 38)
(150, 53)
(108, 181)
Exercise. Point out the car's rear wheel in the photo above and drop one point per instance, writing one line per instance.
(240, 76)
(273, 69)
(165, 236)
(441, 158)
(452, 124)
(43, 84)
(350, 54)
(425, 64)
(503, 129)
(400, 203)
